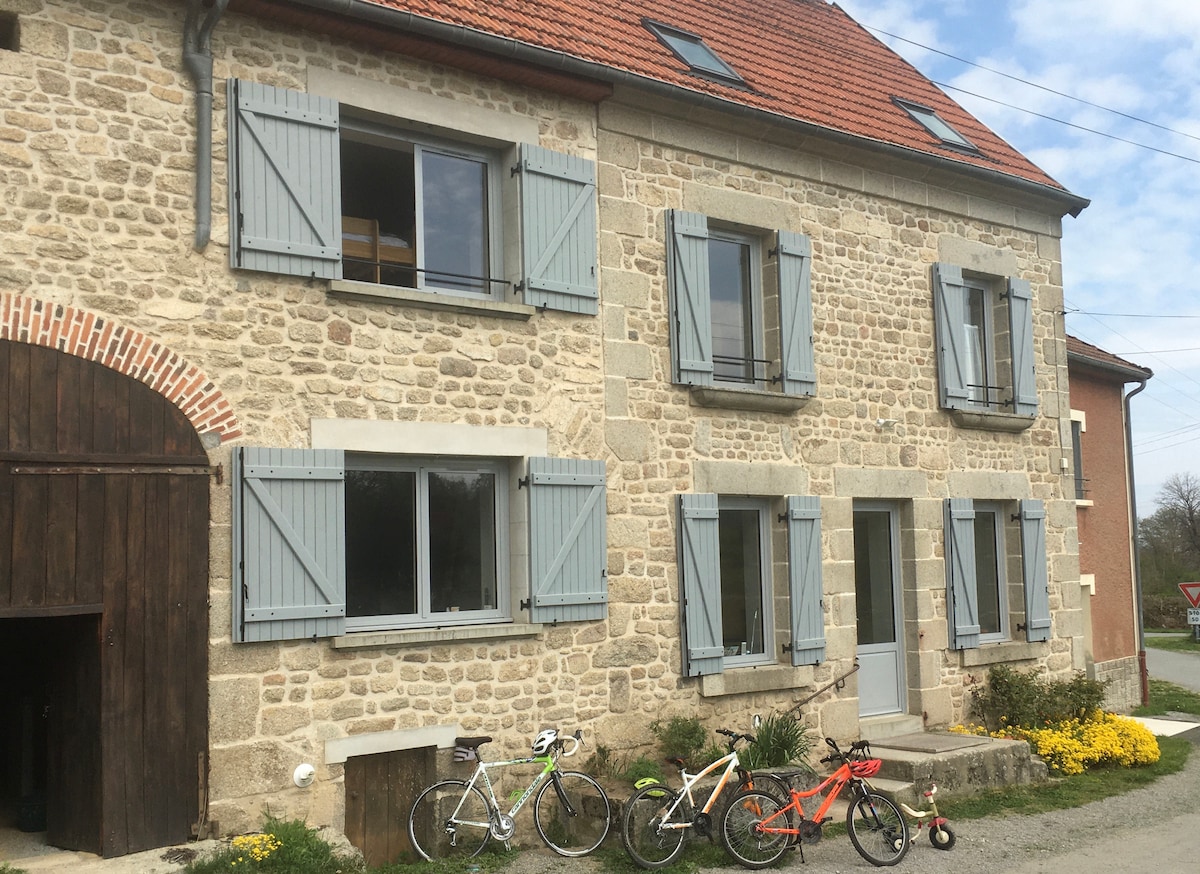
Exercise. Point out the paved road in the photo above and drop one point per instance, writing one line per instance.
(1180, 668)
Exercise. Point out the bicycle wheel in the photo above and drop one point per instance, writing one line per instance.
(877, 830)
(740, 835)
(581, 829)
(449, 820)
(645, 840)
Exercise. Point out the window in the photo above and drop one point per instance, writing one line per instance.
(424, 542)
(419, 214)
(693, 51)
(1078, 426)
(10, 32)
(936, 125)
(326, 543)
(984, 331)
(318, 192)
(981, 558)
(742, 317)
(728, 585)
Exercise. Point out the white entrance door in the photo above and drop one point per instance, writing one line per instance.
(881, 687)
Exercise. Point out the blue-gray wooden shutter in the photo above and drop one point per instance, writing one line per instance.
(289, 510)
(558, 230)
(1034, 570)
(962, 589)
(285, 187)
(797, 366)
(950, 333)
(700, 581)
(691, 300)
(805, 579)
(568, 550)
(1020, 333)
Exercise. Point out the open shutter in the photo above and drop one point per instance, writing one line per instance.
(567, 546)
(558, 230)
(289, 544)
(285, 181)
(1024, 366)
(961, 586)
(804, 578)
(1034, 570)
(797, 366)
(950, 329)
(700, 579)
(691, 301)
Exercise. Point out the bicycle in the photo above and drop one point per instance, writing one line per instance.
(456, 818)
(757, 828)
(940, 834)
(656, 818)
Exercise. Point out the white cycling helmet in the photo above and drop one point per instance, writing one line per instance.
(544, 740)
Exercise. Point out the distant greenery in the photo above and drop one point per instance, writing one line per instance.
(1175, 643)
(1168, 698)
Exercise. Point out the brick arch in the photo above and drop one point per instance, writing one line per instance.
(97, 338)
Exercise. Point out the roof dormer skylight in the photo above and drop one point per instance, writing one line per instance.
(695, 52)
(936, 125)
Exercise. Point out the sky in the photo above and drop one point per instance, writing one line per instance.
(1126, 74)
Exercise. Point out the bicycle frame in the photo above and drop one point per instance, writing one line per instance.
(549, 766)
(838, 779)
(729, 760)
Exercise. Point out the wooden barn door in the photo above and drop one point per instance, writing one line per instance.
(104, 514)
(380, 791)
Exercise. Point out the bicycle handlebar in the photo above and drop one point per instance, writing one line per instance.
(576, 742)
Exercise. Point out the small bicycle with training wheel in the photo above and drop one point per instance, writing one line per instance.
(940, 833)
(757, 827)
(656, 818)
(456, 818)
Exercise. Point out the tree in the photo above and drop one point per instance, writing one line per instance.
(1169, 549)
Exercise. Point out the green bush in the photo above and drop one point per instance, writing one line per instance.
(1025, 699)
(642, 767)
(780, 740)
(682, 736)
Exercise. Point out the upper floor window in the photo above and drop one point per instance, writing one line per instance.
(936, 125)
(1078, 426)
(741, 313)
(323, 194)
(984, 328)
(695, 52)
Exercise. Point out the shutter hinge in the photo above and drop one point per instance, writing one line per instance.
(523, 482)
(219, 473)
(1020, 626)
(1015, 517)
(526, 604)
(787, 647)
(516, 169)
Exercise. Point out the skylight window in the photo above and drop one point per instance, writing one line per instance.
(693, 51)
(936, 125)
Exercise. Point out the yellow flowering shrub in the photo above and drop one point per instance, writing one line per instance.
(254, 848)
(1074, 745)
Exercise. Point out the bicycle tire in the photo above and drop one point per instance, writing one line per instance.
(648, 845)
(582, 832)
(449, 820)
(877, 829)
(739, 836)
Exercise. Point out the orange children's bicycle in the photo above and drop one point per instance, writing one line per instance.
(757, 827)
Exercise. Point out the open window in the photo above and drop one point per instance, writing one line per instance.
(320, 192)
(728, 587)
(741, 305)
(984, 327)
(996, 571)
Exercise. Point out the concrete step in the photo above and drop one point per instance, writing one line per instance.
(879, 728)
(958, 764)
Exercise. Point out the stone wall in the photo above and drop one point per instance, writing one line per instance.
(96, 175)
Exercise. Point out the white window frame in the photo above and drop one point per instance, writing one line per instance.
(755, 315)
(979, 394)
(423, 618)
(409, 142)
(766, 580)
(996, 508)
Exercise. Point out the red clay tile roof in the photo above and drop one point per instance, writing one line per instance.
(1086, 353)
(805, 60)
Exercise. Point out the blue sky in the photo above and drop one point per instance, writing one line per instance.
(1131, 263)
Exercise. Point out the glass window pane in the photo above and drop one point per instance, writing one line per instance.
(741, 582)
(873, 577)
(381, 550)
(462, 541)
(987, 572)
(455, 203)
(732, 322)
(976, 357)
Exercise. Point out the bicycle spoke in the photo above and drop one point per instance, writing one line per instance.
(449, 820)
(742, 824)
(647, 842)
(877, 829)
(581, 828)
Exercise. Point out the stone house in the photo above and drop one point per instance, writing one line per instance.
(1104, 494)
(378, 371)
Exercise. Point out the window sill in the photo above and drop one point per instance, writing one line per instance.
(996, 653)
(393, 294)
(986, 420)
(420, 636)
(766, 678)
(746, 399)
(1084, 502)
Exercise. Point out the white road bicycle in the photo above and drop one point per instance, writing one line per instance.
(656, 819)
(457, 818)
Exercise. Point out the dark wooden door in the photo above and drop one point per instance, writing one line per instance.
(104, 510)
(380, 790)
